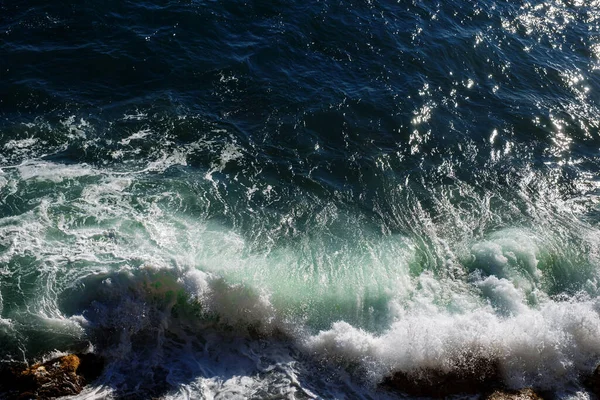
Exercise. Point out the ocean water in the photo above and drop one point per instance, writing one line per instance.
(295, 199)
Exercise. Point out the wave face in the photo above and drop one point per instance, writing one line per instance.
(243, 200)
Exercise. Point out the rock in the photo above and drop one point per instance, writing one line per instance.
(53, 378)
(91, 366)
(62, 376)
(593, 382)
(474, 377)
(523, 394)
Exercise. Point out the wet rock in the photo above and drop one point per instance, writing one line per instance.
(523, 394)
(474, 377)
(7, 376)
(90, 367)
(62, 376)
(593, 382)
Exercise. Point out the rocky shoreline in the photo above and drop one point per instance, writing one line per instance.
(68, 375)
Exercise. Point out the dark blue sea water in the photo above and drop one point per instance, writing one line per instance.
(296, 199)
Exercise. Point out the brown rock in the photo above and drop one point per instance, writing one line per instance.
(523, 394)
(53, 378)
(61, 376)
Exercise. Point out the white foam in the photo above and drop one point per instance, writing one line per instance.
(135, 136)
(234, 303)
(20, 144)
(545, 347)
(77, 129)
(503, 295)
(41, 170)
(229, 152)
(509, 254)
(167, 160)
